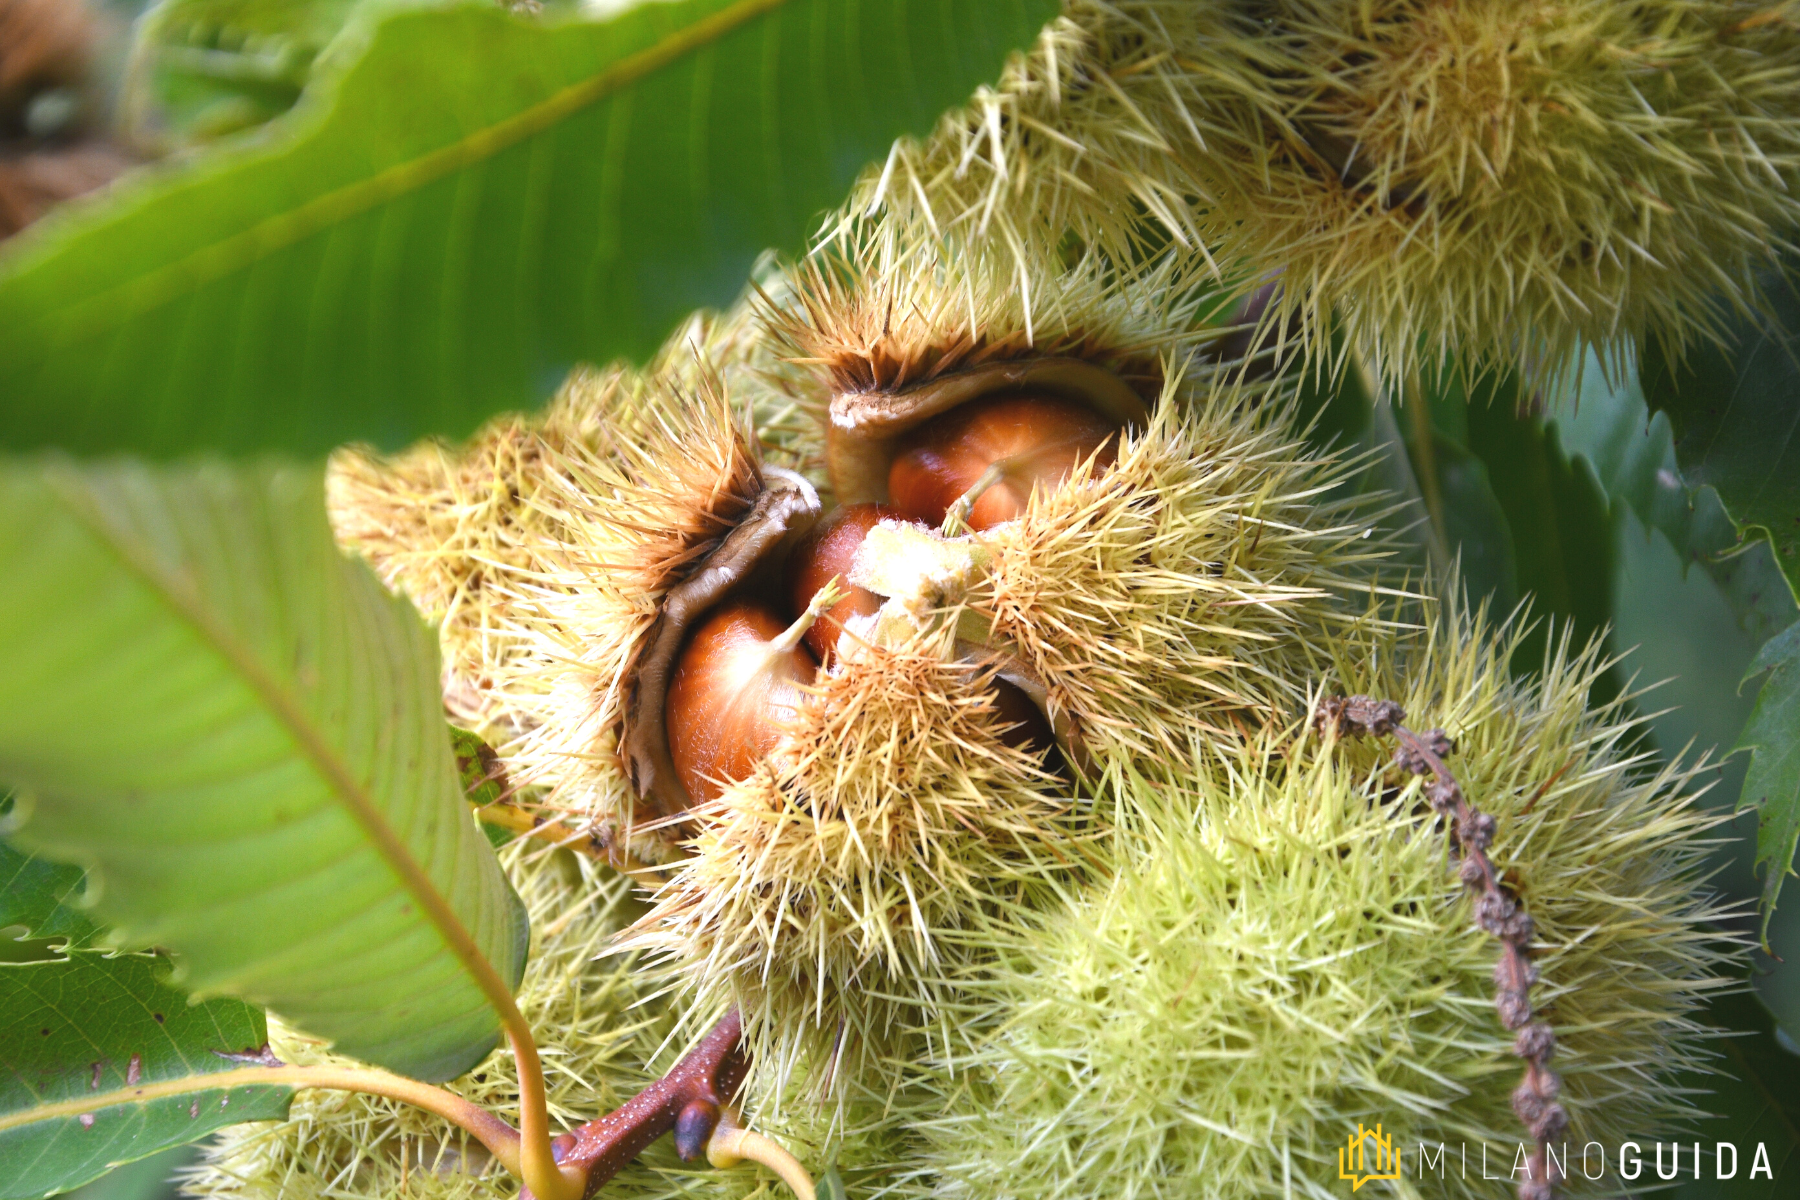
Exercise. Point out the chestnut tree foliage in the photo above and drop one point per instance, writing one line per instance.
(379, 221)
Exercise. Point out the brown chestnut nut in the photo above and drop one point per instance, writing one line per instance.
(1004, 446)
(868, 428)
(826, 554)
(783, 512)
(735, 683)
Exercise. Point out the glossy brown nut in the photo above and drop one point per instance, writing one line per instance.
(867, 428)
(731, 692)
(1034, 440)
(826, 554)
(782, 514)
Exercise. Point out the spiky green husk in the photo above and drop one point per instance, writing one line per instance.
(1284, 952)
(1177, 597)
(1169, 596)
(1503, 179)
(543, 549)
(877, 310)
(819, 890)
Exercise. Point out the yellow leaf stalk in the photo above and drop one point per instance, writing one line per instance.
(1508, 180)
(602, 1036)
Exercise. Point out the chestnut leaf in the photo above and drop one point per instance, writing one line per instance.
(1773, 784)
(83, 1040)
(42, 896)
(463, 205)
(1735, 412)
(238, 731)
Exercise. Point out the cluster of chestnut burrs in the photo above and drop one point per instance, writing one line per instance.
(756, 620)
(1497, 911)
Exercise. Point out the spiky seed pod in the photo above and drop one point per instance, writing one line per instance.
(1150, 596)
(819, 889)
(900, 800)
(1176, 596)
(1284, 952)
(545, 549)
(1506, 179)
(877, 316)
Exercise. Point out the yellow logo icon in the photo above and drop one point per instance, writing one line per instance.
(1369, 1155)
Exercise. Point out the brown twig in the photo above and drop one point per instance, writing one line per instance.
(690, 1101)
(1497, 910)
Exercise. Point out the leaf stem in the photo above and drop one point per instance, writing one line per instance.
(499, 1137)
(731, 1144)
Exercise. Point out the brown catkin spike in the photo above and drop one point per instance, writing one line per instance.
(1497, 911)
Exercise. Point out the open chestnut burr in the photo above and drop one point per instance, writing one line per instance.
(829, 553)
(724, 670)
(1026, 421)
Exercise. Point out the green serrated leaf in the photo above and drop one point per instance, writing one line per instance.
(459, 213)
(1773, 783)
(1632, 451)
(238, 730)
(1735, 413)
(43, 897)
(92, 1032)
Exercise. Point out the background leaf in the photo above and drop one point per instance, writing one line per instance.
(461, 212)
(146, 1179)
(1735, 413)
(204, 68)
(42, 897)
(90, 1027)
(1754, 1097)
(240, 732)
(1485, 483)
(1632, 450)
(1772, 786)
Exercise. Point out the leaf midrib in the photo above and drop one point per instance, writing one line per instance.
(310, 740)
(145, 293)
